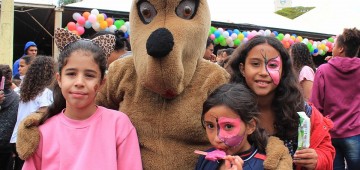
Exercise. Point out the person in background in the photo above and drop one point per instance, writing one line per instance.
(35, 94)
(30, 49)
(9, 102)
(336, 93)
(304, 67)
(24, 64)
(122, 46)
(264, 66)
(209, 52)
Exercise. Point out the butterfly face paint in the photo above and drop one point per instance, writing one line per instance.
(273, 66)
(228, 131)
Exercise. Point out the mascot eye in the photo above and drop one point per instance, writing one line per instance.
(187, 9)
(147, 11)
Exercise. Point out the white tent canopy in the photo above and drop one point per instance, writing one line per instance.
(328, 17)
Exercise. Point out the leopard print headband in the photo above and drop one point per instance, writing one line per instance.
(64, 37)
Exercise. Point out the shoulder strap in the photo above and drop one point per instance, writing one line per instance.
(308, 109)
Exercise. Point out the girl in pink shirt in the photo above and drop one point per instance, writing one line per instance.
(75, 133)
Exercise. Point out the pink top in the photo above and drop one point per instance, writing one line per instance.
(306, 73)
(106, 140)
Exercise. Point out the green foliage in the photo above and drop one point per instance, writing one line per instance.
(293, 12)
(65, 2)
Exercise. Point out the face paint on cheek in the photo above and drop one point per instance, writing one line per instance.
(273, 68)
(228, 131)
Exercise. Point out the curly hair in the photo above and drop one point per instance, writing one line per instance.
(301, 57)
(40, 75)
(288, 98)
(5, 71)
(242, 101)
(350, 40)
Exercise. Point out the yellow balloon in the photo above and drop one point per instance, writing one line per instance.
(103, 24)
(241, 36)
(100, 17)
(292, 37)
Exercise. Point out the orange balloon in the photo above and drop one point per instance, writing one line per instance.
(109, 21)
(86, 15)
(75, 32)
(103, 24)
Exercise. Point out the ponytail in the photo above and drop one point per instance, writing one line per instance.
(57, 106)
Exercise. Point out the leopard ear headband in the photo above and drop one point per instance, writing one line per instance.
(64, 37)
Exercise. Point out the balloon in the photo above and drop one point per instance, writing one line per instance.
(75, 32)
(225, 34)
(212, 30)
(241, 36)
(217, 33)
(123, 28)
(221, 30)
(236, 42)
(87, 24)
(103, 24)
(92, 18)
(109, 21)
(112, 28)
(95, 12)
(80, 30)
(95, 26)
(76, 16)
(81, 21)
(71, 26)
(86, 15)
(236, 31)
(119, 23)
(331, 39)
(267, 32)
(229, 40)
(100, 17)
(212, 36)
(105, 16)
(234, 36)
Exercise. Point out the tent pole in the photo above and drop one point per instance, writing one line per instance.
(7, 32)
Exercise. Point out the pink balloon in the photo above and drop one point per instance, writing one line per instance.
(81, 20)
(212, 36)
(92, 18)
(71, 26)
(80, 30)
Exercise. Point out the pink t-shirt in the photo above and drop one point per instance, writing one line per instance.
(106, 140)
(306, 73)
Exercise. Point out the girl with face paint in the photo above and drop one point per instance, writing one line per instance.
(230, 120)
(80, 134)
(263, 65)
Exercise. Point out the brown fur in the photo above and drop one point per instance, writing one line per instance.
(277, 155)
(168, 127)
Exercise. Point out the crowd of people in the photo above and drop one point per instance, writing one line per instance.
(269, 85)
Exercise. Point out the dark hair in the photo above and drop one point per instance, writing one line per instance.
(120, 41)
(208, 42)
(301, 57)
(350, 40)
(5, 71)
(40, 75)
(229, 51)
(241, 100)
(81, 45)
(288, 98)
(27, 59)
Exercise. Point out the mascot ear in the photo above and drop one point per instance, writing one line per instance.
(64, 37)
(106, 42)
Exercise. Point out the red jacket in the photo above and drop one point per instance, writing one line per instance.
(320, 140)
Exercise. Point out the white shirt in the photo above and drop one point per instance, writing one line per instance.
(45, 98)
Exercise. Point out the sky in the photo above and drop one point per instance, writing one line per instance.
(329, 16)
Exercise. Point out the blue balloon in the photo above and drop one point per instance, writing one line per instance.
(217, 33)
(230, 32)
(126, 35)
(245, 33)
(236, 31)
(276, 33)
(316, 50)
(87, 24)
(294, 35)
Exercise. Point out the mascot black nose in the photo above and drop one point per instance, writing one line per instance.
(160, 43)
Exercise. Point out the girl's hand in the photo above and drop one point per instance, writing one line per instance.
(306, 158)
(233, 163)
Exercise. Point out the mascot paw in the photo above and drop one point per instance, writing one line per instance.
(28, 136)
(277, 155)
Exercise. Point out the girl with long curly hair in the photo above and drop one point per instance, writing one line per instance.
(34, 93)
(304, 67)
(264, 66)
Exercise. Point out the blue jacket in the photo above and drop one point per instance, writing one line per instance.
(252, 160)
(17, 62)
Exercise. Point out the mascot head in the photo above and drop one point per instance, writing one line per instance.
(168, 38)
